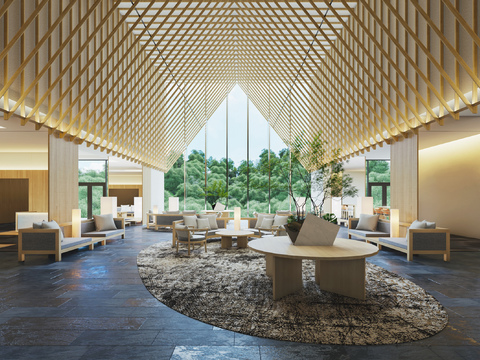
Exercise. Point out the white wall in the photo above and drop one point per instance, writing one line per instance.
(153, 190)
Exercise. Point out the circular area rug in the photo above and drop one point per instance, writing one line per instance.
(229, 289)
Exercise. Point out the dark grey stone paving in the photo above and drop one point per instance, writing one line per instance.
(93, 305)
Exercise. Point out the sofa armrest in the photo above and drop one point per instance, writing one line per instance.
(352, 223)
(38, 239)
(119, 222)
(429, 239)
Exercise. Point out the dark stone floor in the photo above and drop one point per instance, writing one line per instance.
(93, 305)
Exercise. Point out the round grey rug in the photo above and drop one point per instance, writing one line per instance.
(229, 289)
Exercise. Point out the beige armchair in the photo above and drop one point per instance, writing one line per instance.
(190, 237)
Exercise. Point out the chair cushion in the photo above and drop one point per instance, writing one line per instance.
(400, 242)
(212, 219)
(52, 225)
(367, 222)
(71, 242)
(367, 233)
(104, 222)
(103, 233)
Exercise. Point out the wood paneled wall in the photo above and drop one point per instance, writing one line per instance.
(63, 179)
(37, 186)
(404, 178)
(14, 197)
(127, 186)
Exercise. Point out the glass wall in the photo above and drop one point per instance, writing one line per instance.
(92, 185)
(255, 153)
(378, 182)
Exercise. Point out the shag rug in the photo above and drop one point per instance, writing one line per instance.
(229, 289)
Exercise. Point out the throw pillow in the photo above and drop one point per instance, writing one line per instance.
(367, 222)
(190, 221)
(212, 219)
(416, 225)
(52, 225)
(38, 225)
(203, 224)
(260, 218)
(182, 233)
(280, 220)
(189, 212)
(172, 212)
(430, 225)
(104, 222)
(267, 223)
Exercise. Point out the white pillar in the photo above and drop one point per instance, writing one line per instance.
(153, 191)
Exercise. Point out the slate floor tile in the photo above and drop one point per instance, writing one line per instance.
(37, 337)
(216, 352)
(42, 352)
(195, 337)
(117, 337)
(128, 352)
(95, 305)
(70, 323)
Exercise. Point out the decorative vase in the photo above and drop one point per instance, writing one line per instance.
(293, 229)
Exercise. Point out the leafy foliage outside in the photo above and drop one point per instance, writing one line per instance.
(329, 180)
(378, 172)
(90, 176)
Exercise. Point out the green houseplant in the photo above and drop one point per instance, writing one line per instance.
(316, 174)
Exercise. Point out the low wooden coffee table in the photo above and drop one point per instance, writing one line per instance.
(241, 235)
(339, 268)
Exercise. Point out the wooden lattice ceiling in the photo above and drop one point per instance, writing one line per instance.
(141, 78)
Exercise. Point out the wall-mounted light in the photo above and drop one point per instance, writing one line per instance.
(236, 218)
(76, 223)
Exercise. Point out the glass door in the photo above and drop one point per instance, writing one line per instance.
(89, 198)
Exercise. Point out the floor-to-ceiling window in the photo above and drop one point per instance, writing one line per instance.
(378, 182)
(253, 179)
(92, 185)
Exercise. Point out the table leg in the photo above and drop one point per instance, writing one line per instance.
(242, 241)
(226, 242)
(344, 277)
(269, 264)
(287, 276)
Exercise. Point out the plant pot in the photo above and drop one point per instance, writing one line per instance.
(293, 229)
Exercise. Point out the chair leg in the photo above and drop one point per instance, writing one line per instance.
(446, 256)
(205, 246)
(21, 256)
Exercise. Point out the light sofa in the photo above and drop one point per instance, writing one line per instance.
(47, 241)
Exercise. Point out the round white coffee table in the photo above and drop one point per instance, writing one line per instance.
(241, 235)
(339, 268)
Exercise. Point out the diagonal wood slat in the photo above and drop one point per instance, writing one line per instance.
(141, 78)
